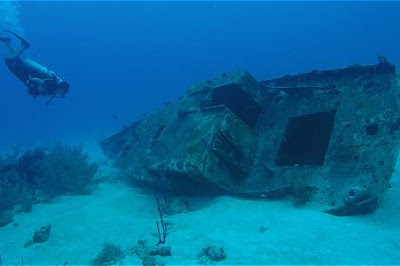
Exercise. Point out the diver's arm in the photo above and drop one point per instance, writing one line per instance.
(35, 81)
(34, 86)
(48, 79)
(54, 78)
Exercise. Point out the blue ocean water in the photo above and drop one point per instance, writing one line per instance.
(128, 58)
(125, 59)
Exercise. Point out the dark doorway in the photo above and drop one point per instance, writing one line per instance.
(306, 139)
(238, 101)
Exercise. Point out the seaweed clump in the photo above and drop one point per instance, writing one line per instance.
(301, 193)
(212, 254)
(42, 174)
(109, 255)
(61, 170)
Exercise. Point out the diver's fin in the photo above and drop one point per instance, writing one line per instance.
(24, 42)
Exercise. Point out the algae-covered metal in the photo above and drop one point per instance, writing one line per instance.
(324, 132)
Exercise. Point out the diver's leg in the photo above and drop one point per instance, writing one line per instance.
(7, 41)
(24, 43)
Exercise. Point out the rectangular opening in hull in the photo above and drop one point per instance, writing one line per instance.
(306, 139)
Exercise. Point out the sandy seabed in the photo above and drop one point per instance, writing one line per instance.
(118, 213)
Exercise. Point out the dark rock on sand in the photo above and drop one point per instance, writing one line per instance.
(40, 236)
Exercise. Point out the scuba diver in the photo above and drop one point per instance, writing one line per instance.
(39, 80)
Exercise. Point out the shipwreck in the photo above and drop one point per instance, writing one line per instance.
(326, 136)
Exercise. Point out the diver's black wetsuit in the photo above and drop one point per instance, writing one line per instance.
(17, 67)
(40, 81)
(25, 69)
